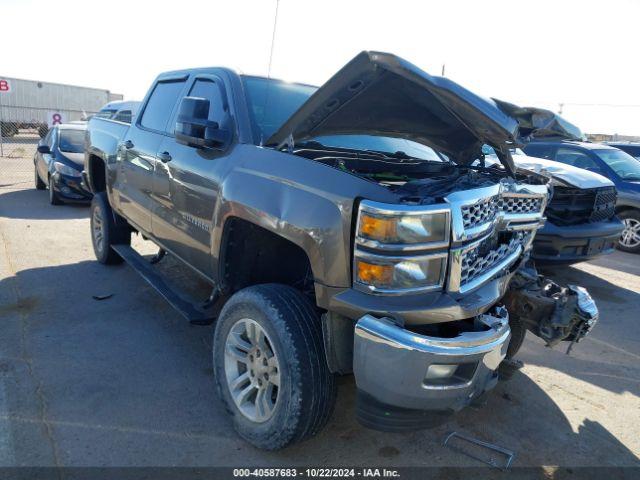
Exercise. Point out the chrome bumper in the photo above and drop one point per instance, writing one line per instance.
(404, 369)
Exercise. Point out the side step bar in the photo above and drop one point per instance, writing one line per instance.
(187, 309)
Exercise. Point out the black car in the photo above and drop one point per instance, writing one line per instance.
(618, 166)
(632, 148)
(58, 164)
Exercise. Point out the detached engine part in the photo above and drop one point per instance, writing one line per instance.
(550, 311)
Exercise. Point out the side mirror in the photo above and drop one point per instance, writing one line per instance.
(44, 149)
(193, 127)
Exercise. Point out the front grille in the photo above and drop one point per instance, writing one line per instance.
(605, 204)
(484, 257)
(510, 204)
(480, 213)
(575, 206)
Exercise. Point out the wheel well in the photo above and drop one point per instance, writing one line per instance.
(97, 174)
(252, 255)
(624, 208)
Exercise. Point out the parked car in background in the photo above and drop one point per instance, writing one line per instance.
(618, 166)
(59, 161)
(121, 111)
(632, 148)
(581, 222)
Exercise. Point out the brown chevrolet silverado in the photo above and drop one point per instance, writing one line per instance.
(344, 230)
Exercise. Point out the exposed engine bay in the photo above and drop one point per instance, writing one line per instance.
(420, 181)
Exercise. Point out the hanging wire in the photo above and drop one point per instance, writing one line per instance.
(266, 94)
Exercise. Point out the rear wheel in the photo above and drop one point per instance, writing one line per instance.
(40, 185)
(107, 229)
(270, 366)
(630, 239)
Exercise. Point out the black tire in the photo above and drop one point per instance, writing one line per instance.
(40, 185)
(632, 216)
(518, 332)
(307, 391)
(114, 230)
(54, 198)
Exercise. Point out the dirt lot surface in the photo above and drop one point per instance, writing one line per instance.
(126, 381)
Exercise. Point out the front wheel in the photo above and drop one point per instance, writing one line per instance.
(270, 366)
(54, 198)
(106, 230)
(40, 185)
(630, 239)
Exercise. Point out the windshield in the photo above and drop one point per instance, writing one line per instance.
(271, 107)
(71, 141)
(625, 166)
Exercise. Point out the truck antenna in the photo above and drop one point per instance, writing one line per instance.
(266, 94)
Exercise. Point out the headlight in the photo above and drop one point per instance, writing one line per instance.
(399, 228)
(65, 169)
(386, 234)
(394, 275)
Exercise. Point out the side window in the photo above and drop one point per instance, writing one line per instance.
(160, 104)
(576, 158)
(205, 88)
(123, 116)
(539, 151)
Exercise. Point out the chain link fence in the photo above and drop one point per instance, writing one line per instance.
(21, 128)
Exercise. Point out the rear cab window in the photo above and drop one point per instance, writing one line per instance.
(539, 151)
(123, 116)
(575, 158)
(160, 105)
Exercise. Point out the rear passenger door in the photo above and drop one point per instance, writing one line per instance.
(186, 187)
(139, 151)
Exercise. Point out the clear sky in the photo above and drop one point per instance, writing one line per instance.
(583, 54)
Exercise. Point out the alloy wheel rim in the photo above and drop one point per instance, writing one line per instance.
(630, 237)
(252, 370)
(97, 229)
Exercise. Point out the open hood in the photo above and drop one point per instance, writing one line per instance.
(382, 94)
(539, 123)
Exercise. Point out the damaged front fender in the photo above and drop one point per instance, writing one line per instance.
(550, 311)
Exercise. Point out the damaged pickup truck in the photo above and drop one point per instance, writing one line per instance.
(343, 229)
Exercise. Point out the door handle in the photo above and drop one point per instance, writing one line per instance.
(164, 157)
(128, 144)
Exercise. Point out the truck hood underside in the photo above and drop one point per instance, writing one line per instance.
(382, 94)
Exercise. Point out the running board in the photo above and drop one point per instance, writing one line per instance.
(187, 309)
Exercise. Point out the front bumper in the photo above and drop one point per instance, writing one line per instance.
(70, 188)
(575, 243)
(400, 368)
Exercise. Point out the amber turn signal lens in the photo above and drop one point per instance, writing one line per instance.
(372, 274)
(377, 228)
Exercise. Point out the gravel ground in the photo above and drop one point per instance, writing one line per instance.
(126, 381)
